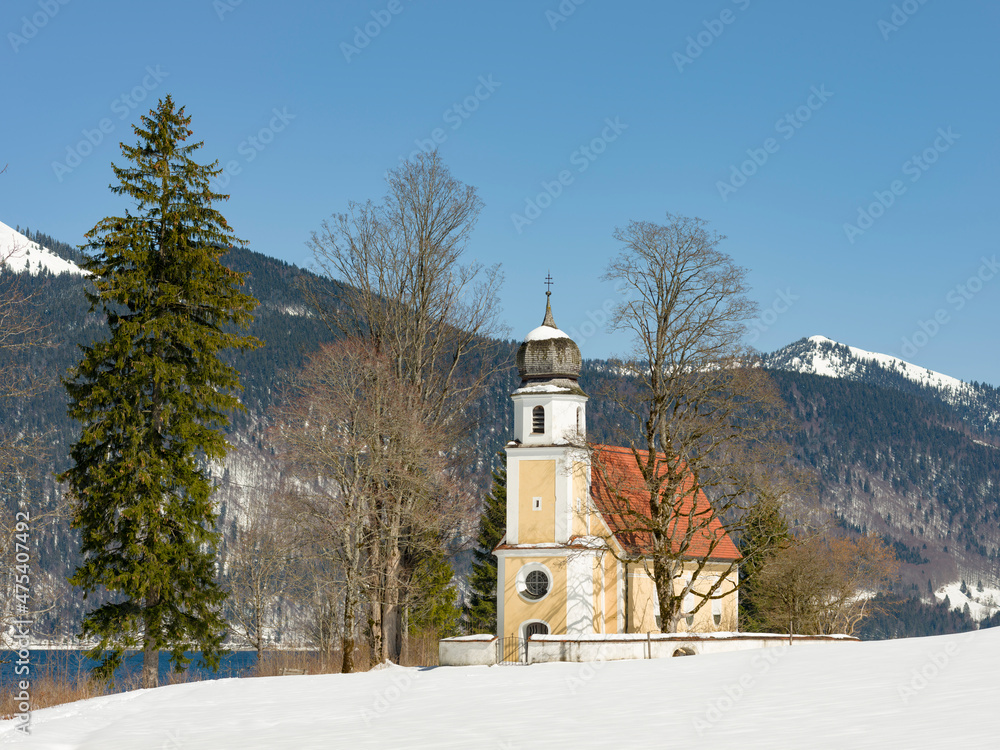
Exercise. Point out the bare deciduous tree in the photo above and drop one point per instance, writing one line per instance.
(21, 521)
(821, 585)
(368, 475)
(260, 567)
(408, 294)
(407, 290)
(709, 417)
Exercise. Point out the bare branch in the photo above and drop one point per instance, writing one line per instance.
(710, 416)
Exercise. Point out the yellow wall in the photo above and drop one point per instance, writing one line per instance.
(536, 479)
(642, 602)
(517, 609)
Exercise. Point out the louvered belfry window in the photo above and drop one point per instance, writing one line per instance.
(538, 420)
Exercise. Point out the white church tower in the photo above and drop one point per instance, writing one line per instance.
(550, 421)
(546, 566)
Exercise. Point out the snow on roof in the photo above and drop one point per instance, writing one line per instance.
(21, 254)
(474, 637)
(544, 388)
(542, 333)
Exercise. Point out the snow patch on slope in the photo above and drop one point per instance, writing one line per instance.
(20, 254)
(819, 355)
(827, 360)
(982, 604)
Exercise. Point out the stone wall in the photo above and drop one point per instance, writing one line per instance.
(482, 649)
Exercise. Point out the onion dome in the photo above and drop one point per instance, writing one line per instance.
(548, 353)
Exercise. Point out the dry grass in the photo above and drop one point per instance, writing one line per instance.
(423, 652)
(276, 663)
(54, 684)
(58, 682)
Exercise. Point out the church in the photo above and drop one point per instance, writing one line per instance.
(568, 565)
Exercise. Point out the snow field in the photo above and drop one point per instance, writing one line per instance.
(21, 254)
(912, 693)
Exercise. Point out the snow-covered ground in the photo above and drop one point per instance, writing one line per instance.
(21, 254)
(982, 604)
(918, 693)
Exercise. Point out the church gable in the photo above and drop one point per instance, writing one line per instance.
(619, 493)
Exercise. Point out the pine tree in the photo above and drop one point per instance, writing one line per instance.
(436, 610)
(153, 397)
(481, 614)
(765, 534)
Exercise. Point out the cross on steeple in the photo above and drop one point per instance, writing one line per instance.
(548, 321)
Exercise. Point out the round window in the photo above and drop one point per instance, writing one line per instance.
(536, 584)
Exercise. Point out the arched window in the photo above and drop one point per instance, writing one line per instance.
(538, 420)
(535, 628)
(688, 607)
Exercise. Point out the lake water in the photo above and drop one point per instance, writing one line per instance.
(72, 662)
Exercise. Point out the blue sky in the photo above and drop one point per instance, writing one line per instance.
(847, 150)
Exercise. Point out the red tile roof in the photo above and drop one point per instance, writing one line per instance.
(620, 494)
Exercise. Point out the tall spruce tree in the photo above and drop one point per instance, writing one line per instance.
(153, 398)
(481, 614)
(765, 535)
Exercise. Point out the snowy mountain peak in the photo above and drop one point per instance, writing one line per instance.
(20, 254)
(821, 340)
(979, 405)
(820, 355)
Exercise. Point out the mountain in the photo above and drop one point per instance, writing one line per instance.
(977, 403)
(902, 451)
(19, 253)
(896, 450)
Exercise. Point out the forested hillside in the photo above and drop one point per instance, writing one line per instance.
(889, 456)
